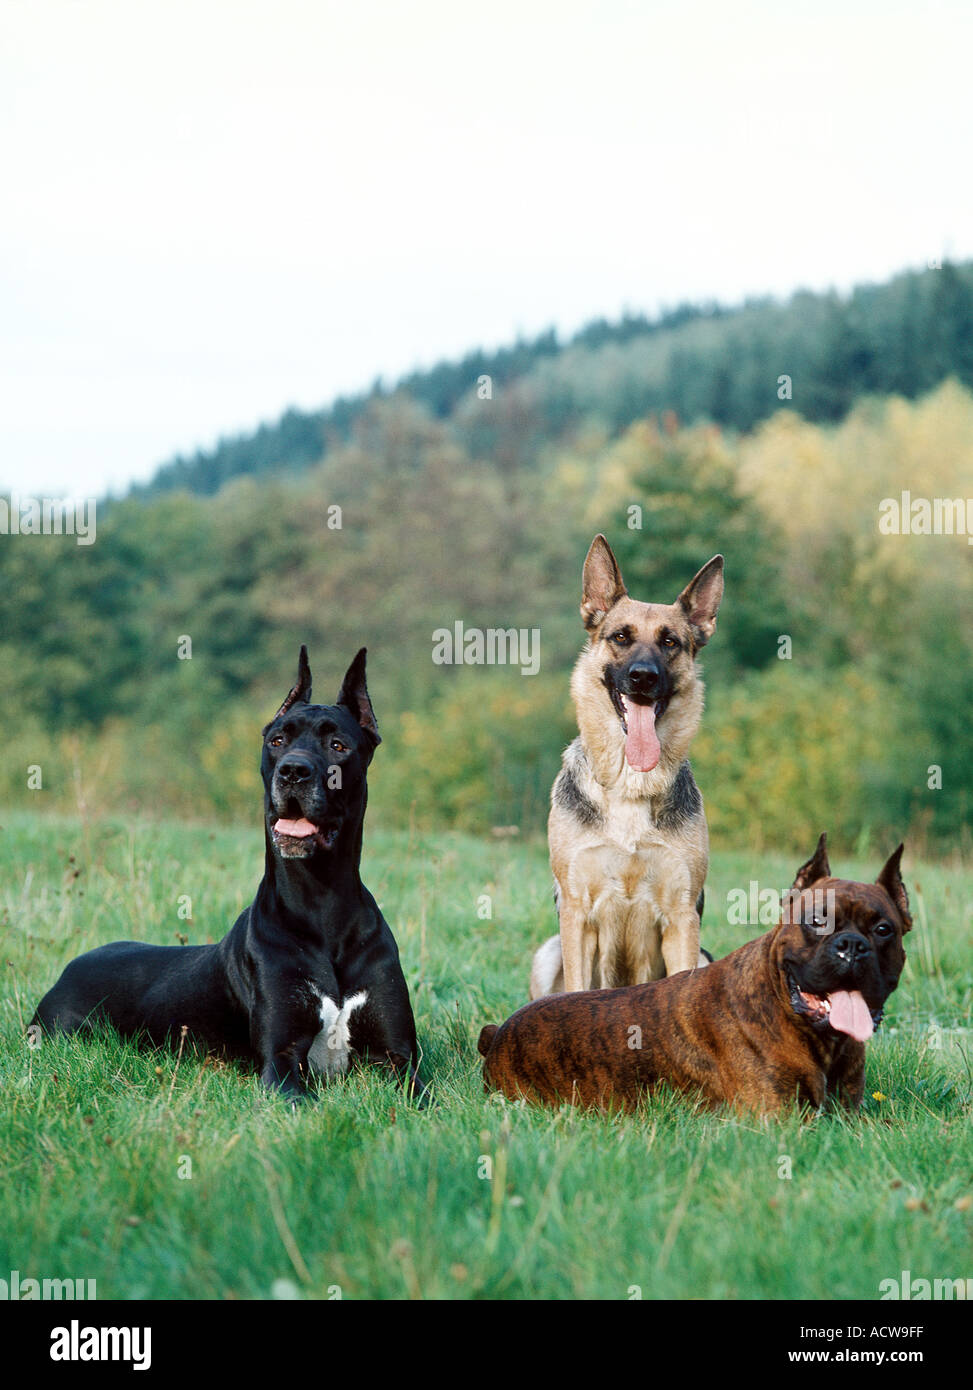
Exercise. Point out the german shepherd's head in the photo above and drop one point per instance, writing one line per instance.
(636, 689)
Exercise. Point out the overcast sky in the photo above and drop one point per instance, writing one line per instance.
(213, 209)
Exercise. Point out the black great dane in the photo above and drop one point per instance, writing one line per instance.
(309, 974)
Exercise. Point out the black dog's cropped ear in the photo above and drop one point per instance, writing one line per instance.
(354, 696)
(300, 691)
(891, 880)
(816, 867)
(701, 599)
(602, 584)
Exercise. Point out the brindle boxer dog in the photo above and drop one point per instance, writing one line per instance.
(784, 1018)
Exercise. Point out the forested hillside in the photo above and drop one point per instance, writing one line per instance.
(137, 672)
(702, 362)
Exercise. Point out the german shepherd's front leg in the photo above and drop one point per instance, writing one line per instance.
(577, 945)
(680, 940)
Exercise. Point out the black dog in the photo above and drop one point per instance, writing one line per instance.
(310, 972)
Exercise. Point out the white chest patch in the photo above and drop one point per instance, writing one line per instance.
(328, 1054)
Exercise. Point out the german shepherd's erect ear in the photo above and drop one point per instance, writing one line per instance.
(602, 584)
(701, 598)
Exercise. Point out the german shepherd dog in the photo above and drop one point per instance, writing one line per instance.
(627, 834)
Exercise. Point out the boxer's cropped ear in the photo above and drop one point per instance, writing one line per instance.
(354, 696)
(602, 584)
(816, 867)
(300, 691)
(891, 880)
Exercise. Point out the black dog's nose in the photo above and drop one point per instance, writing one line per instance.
(644, 678)
(852, 946)
(294, 770)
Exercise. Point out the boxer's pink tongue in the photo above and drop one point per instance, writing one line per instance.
(850, 1014)
(297, 828)
(642, 749)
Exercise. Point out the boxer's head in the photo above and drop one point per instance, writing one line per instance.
(838, 946)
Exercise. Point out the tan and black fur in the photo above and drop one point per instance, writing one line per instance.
(629, 847)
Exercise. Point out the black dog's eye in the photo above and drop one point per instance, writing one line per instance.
(621, 638)
(882, 929)
(276, 741)
(337, 746)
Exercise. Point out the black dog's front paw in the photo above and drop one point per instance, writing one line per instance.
(414, 1088)
(285, 1085)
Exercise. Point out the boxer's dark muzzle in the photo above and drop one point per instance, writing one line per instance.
(840, 984)
(814, 1004)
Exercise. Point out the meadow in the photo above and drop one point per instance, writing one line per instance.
(165, 1176)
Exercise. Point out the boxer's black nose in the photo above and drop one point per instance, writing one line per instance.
(852, 946)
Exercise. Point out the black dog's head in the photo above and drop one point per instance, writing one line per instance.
(839, 945)
(314, 762)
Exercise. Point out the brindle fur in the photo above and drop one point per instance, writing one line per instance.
(629, 849)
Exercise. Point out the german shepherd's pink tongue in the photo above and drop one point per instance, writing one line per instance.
(300, 829)
(850, 1014)
(642, 750)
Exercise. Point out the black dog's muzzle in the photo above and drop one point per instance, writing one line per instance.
(299, 816)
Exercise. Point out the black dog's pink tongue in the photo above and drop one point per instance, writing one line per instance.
(850, 1014)
(300, 829)
(642, 750)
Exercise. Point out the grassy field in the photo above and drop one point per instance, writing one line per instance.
(178, 1178)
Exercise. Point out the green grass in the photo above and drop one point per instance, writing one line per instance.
(361, 1192)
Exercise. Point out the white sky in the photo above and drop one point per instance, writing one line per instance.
(212, 209)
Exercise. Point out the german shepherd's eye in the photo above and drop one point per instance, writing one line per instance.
(671, 642)
(621, 638)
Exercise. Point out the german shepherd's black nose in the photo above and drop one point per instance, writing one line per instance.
(294, 769)
(645, 678)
